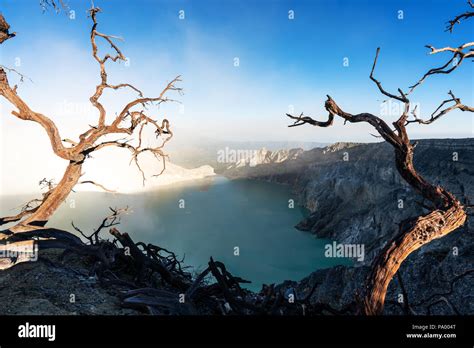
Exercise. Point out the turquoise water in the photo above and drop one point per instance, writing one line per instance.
(218, 216)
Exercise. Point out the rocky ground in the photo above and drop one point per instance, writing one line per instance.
(55, 286)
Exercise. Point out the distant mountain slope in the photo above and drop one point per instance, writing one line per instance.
(190, 153)
(264, 156)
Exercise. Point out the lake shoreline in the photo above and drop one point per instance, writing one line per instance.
(247, 224)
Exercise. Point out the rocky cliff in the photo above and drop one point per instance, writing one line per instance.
(356, 196)
(264, 156)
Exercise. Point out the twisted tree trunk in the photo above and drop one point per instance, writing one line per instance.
(448, 216)
(54, 199)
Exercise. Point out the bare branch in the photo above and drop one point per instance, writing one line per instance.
(459, 18)
(439, 112)
(25, 113)
(171, 86)
(384, 130)
(109, 221)
(301, 119)
(458, 52)
(22, 76)
(103, 74)
(96, 184)
(452, 64)
(401, 98)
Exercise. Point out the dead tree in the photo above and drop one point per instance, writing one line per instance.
(5, 30)
(132, 120)
(447, 213)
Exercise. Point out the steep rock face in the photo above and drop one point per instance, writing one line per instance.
(356, 196)
(363, 199)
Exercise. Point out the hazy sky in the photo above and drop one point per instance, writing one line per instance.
(283, 64)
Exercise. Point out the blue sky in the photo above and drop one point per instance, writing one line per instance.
(284, 64)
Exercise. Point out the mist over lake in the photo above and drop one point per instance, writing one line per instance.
(218, 215)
